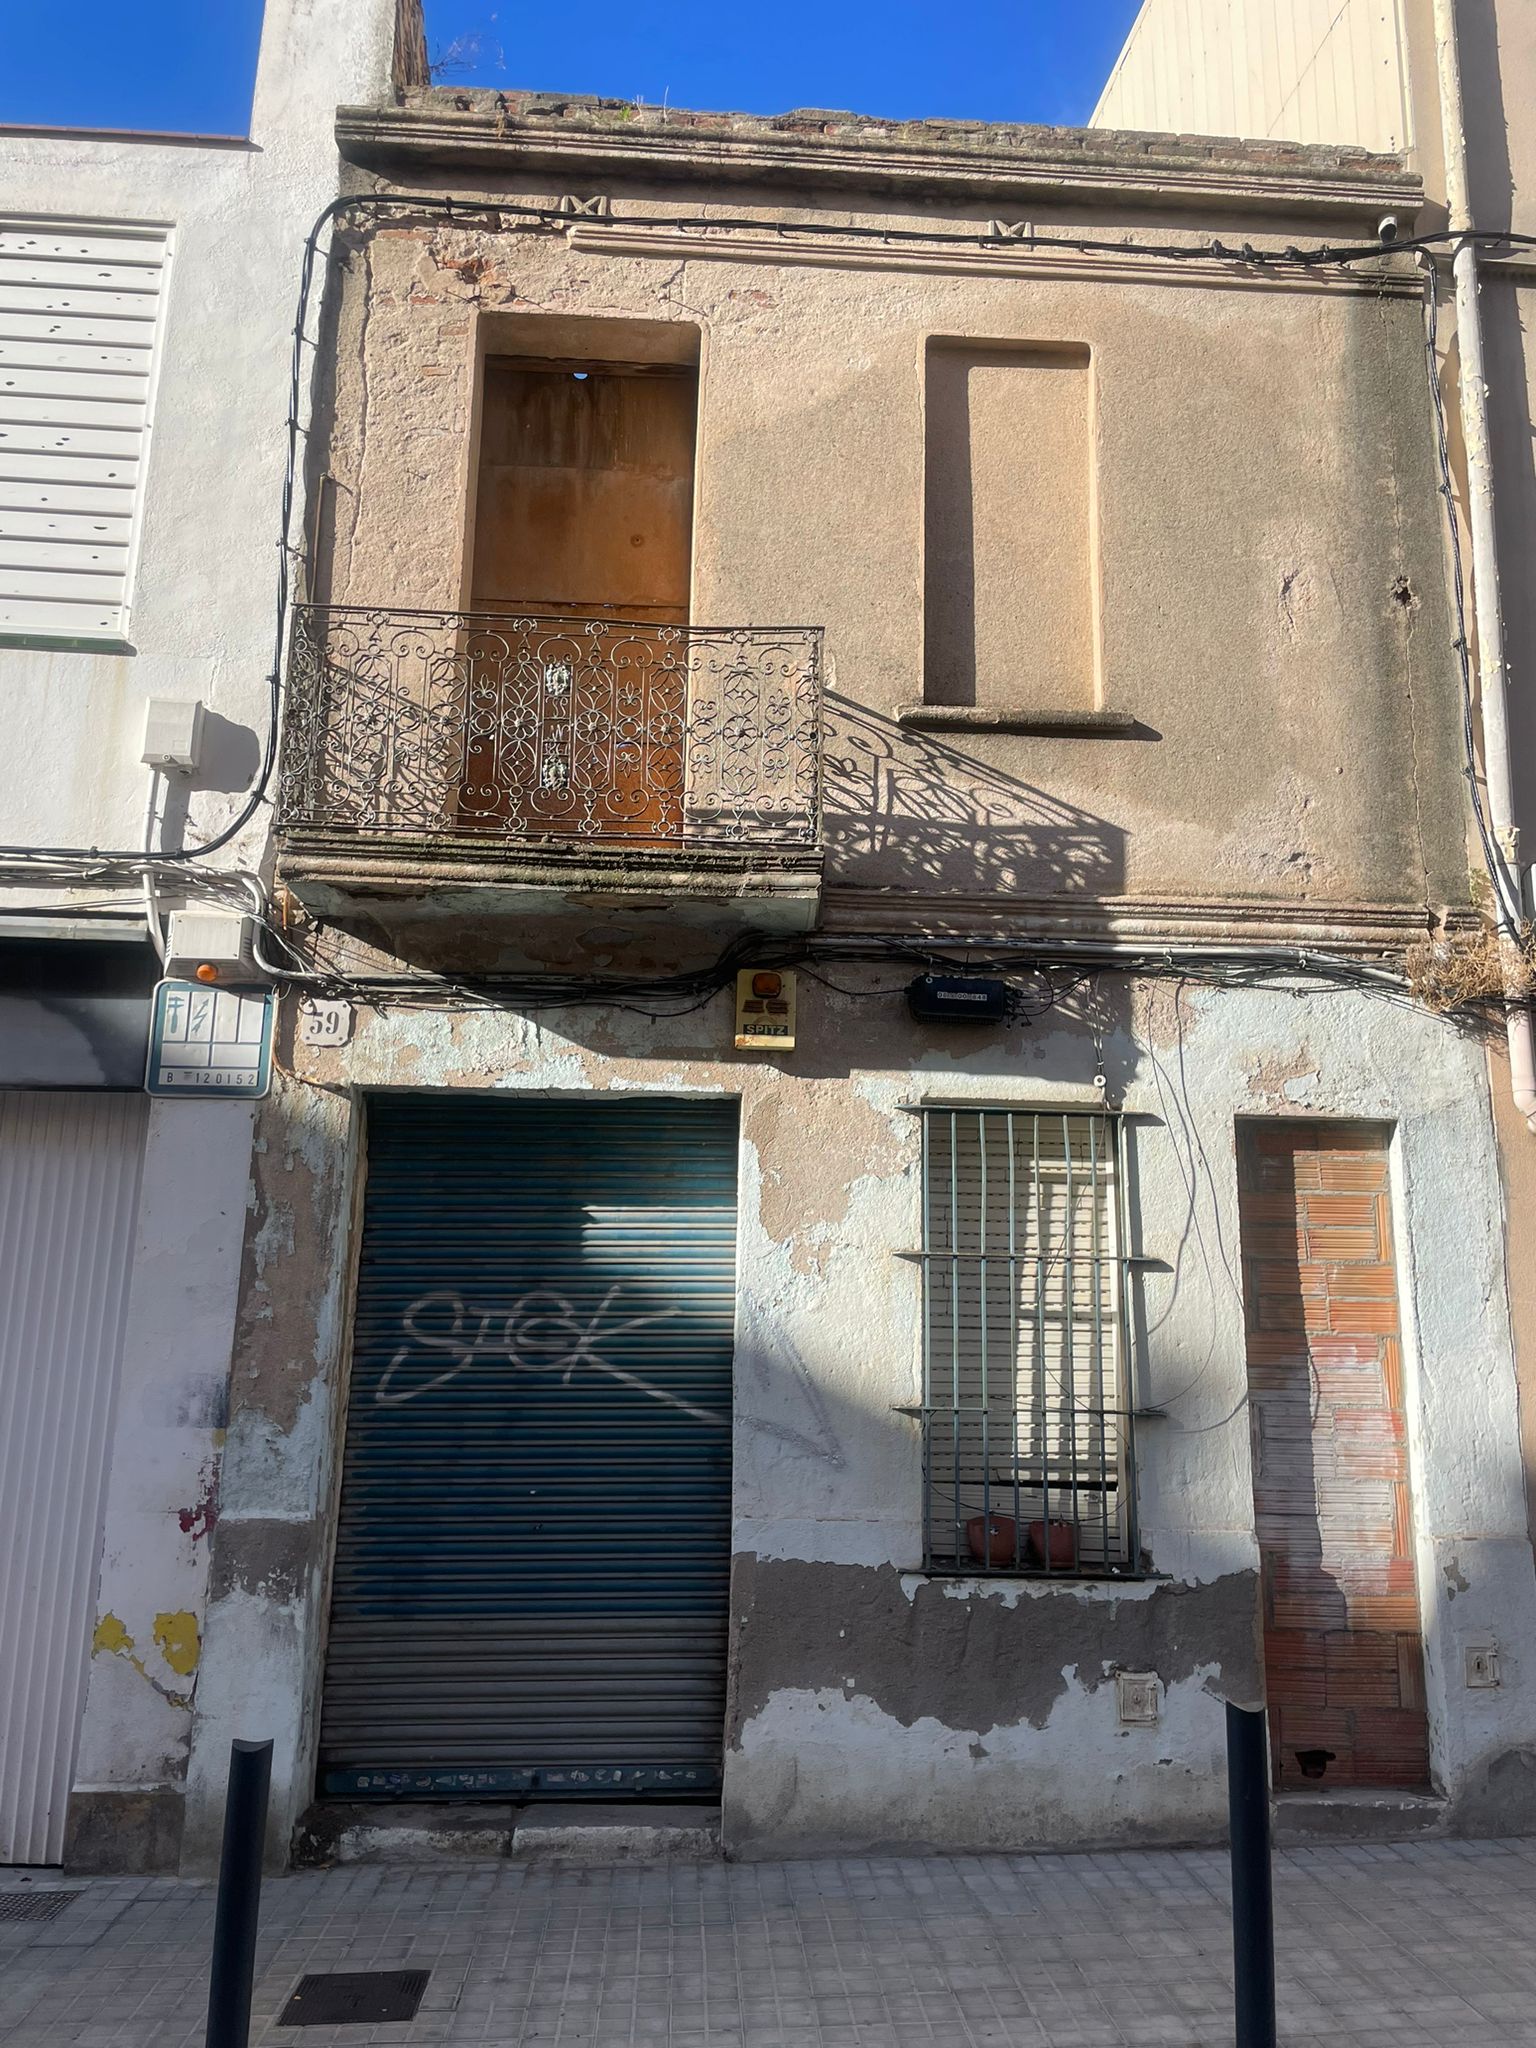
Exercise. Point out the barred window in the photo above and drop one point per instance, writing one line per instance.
(1026, 1414)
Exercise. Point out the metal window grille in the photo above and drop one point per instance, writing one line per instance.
(1027, 1435)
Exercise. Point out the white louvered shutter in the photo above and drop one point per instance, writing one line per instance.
(79, 322)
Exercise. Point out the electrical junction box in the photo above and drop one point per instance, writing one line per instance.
(215, 947)
(1483, 1667)
(958, 999)
(1138, 1698)
(173, 735)
(765, 1010)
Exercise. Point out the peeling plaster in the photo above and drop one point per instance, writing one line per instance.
(806, 1198)
(200, 1520)
(111, 1638)
(833, 1773)
(179, 1641)
(974, 1665)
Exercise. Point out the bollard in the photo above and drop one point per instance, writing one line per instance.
(239, 1900)
(1253, 1897)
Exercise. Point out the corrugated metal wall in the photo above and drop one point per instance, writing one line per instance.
(69, 1182)
(1287, 70)
(531, 1579)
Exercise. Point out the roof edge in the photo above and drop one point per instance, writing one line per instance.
(588, 137)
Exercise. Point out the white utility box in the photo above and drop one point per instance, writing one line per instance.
(173, 735)
(219, 940)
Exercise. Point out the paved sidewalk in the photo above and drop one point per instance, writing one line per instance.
(1420, 1945)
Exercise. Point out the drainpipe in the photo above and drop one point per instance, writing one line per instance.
(1493, 688)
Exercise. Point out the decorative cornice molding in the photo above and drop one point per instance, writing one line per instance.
(1143, 922)
(1042, 259)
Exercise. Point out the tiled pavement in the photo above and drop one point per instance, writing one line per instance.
(1405, 1946)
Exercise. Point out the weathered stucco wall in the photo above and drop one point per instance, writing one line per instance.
(1267, 551)
(869, 1704)
(1269, 581)
(163, 1489)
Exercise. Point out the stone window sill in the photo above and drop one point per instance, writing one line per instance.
(1042, 724)
(1033, 1575)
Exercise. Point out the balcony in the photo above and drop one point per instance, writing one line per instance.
(470, 762)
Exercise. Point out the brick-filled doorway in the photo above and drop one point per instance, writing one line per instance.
(1343, 1647)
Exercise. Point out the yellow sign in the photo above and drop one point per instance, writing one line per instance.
(765, 1010)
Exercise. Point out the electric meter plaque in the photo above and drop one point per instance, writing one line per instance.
(210, 1041)
(765, 1010)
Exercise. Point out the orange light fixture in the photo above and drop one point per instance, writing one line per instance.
(207, 972)
(767, 984)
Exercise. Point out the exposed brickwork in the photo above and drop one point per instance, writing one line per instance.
(1344, 1659)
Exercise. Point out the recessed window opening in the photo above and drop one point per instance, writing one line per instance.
(1026, 1412)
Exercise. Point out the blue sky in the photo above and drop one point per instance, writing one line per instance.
(188, 64)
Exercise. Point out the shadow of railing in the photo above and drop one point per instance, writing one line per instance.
(905, 810)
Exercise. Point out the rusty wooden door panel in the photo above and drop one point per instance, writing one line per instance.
(583, 517)
(1343, 1649)
(585, 498)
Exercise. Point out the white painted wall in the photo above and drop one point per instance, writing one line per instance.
(202, 622)
(1205, 1059)
(1288, 70)
(203, 612)
(163, 1491)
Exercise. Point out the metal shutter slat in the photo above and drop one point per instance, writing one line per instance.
(530, 1588)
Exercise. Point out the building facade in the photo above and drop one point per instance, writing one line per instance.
(857, 1222)
(146, 293)
(860, 1217)
(1439, 80)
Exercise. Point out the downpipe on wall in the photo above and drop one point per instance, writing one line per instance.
(1492, 674)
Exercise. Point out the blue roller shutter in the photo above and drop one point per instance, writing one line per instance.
(530, 1586)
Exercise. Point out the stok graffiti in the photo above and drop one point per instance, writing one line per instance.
(541, 1333)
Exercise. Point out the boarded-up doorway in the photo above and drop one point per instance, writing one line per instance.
(1343, 1649)
(577, 673)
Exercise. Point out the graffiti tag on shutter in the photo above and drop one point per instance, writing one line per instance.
(542, 1332)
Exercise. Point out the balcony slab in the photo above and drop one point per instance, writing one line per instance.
(429, 882)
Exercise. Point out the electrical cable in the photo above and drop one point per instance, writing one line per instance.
(1506, 887)
(1040, 977)
(151, 899)
(454, 209)
(69, 867)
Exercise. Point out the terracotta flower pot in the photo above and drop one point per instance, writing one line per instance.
(993, 1539)
(1062, 1540)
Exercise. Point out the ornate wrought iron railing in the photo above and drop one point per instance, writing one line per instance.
(551, 730)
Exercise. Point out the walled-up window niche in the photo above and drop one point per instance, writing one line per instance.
(1010, 611)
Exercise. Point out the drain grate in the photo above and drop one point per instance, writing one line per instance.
(33, 1905)
(344, 1998)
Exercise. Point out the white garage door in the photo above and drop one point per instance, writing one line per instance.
(69, 1182)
